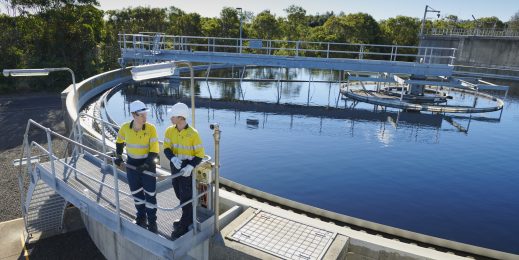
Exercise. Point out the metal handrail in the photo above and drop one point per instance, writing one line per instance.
(34, 144)
(232, 45)
(473, 32)
(53, 158)
(288, 41)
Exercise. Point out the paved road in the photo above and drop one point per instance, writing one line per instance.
(15, 111)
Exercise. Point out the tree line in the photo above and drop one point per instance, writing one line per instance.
(78, 35)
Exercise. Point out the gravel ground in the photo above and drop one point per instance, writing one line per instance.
(15, 111)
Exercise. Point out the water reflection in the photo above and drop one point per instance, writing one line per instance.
(159, 95)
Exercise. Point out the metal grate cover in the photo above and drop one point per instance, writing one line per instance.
(282, 237)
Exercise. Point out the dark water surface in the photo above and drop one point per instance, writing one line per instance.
(454, 176)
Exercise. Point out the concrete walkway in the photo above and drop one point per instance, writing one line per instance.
(74, 243)
(11, 240)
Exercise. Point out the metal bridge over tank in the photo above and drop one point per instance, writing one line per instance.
(145, 48)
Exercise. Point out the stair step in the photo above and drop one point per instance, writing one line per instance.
(46, 204)
(47, 216)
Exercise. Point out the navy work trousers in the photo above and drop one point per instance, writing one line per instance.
(143, 187)
(184, 192)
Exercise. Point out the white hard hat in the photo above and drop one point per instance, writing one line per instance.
(179, 109)
(137, 106)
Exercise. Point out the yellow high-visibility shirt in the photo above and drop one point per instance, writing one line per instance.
(184, 144)
(139, 143)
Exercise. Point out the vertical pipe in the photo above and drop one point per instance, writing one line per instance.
(423, 21)
(309, 82)
(241, 39)
(207, 81)
(340, 88)
(216, 135)
(192, 90)
(194, 201)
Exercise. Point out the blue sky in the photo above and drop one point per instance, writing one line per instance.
(379, 9)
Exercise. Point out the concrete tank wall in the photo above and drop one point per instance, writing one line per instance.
(485, 55)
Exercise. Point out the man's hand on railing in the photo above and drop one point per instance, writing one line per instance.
(143, 167)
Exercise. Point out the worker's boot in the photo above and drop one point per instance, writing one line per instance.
(140, 222)
(176, 224)
(152, 227)
(178, 232)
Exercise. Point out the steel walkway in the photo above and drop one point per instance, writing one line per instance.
(143, 48)
(105, 197)
(101, 192)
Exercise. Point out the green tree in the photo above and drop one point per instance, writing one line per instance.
(351, 28)
(68, 36)
(185, 24)
(211, 27)
(513, 23)
(229, 22)
(402, 30)
(319, 19)
(490, 23)
(448, 22)
(41, 6)
(295, 27)
(265, 26)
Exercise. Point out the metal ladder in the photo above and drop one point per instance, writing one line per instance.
(43, 209)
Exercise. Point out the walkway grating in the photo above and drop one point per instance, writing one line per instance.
(283, 237)
(105, 196)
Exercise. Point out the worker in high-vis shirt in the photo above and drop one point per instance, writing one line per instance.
(183, 147)
(142, 147)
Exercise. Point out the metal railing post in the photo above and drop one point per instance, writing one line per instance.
(116, 187)
(25, 150)
(51, 158)
(194, 202)
(104, 141)
(80, 135)
(216, 200)
(453, 57)
(328, 51)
